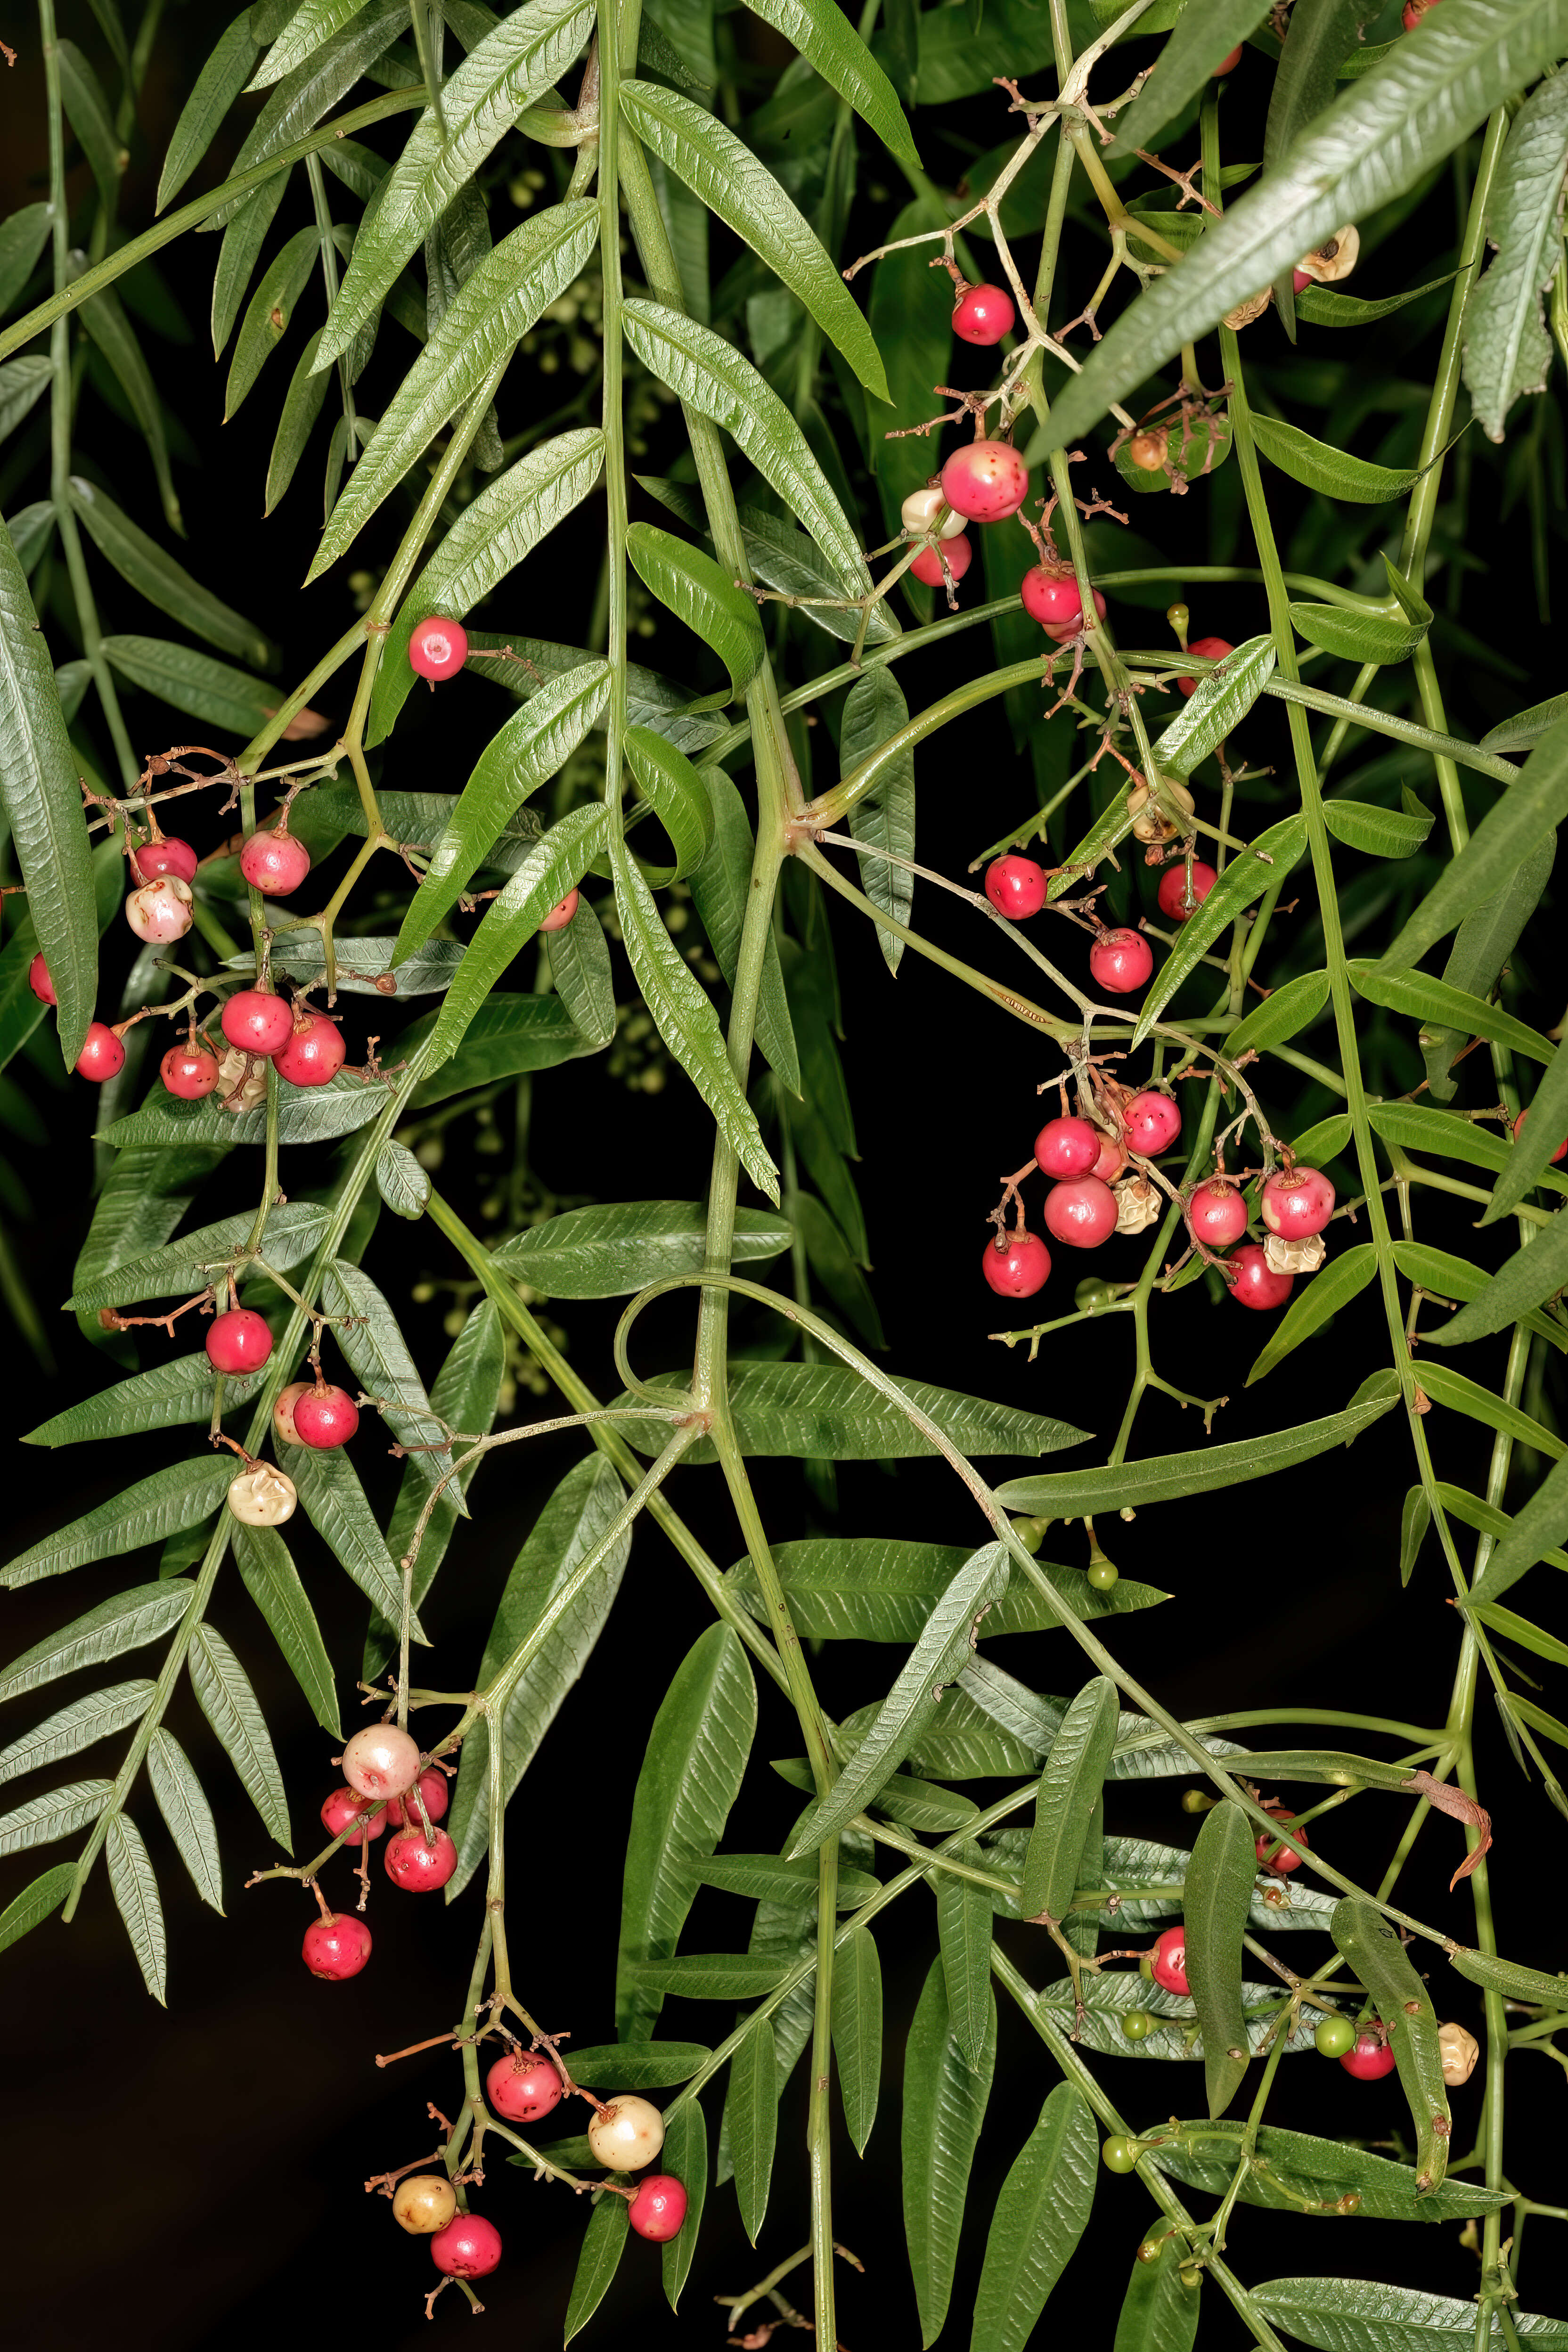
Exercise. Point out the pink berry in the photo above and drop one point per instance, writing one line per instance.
(314, 1053)
(1151, 1123)
(469, 2247)
(433, 1794)
(381, 1760)
(1410, 16)
(1113, 1158)
(189, 1072)
(336, 1948)
(1227, 64)
(926, 565)
(238, 1340)
(1518, 1122)
(1051, 597)
(985, 481)
(1209, 648)
(343, 1809)
(274, 863)
(1282, 1860)
(522, 2086)
(1080, 1212)
(102, 1056)
(43, 987)
(1218, 1214)
(983, 315)
(1120, 961)
(1173, 890)
(1297, 1202)
(560, 916)
(1301, 278)
(324, 1417)
(1168, 1965)
(283, 1410)
(658, 2208)
(160, 912)
(258, 1023)
(1060, 632)
(167, 856)
(1067, 1147)
(1017, 1267)
(1016, 887)
(417, 1867)
(1255, 1283)
(1370, 2058)
(438, 648)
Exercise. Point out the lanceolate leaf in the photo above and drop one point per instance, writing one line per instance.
(1245, 879)
(1538, 1528)
(1531, 1275)
(579, 966)
(691, 1774)
(694, 588)
(112, 331)
(269, 312)
(752, 2116)
(334, 1502)
(1421, 998)
(378, 1353)
(95, 1716)
(166, 1397)
(189, 1263)
(1385, 132)
(1160, 2310)
(219, 83)
(1336, 1284)
(59, 1814)
(273, 1582)
(1282, 1015)
(1297, 2165)
(135, 1890)
(827, 40)
(524, 56)
(602, 2247)
(944, 2106)
(963, 1924)
(611, 1251)
(187, 1814)
(1506, 1977)
(1379, 832)
(313, 22)
(668, 782)
(1041, 2214)
(857, 2032)
(1322, 467)
(1507, 349)
(1536, 1142)
(1203, 38)
(1446, 1387)
(826, 1412)
(122, 1623)
(552, 868)
(1371, 1945)
(874, 711)
(1068, 1799)
(1224, 697)
(1352, 2315)
(685, 2151)
(1528, 814)
(194, 683)
(223, 1688)
(35, 1904)
(720, 888)
(1218, 1897)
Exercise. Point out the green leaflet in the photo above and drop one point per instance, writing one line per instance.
(59, 1814)
(1340, 2314)
(269, 311)
(403, 1184)
(35, 1904)
(603, 2246)
(514, 65)
(1507, 349)
(1412, 1128)
(135, 1892)
(612, 1250)
(1377, 831)
(98, 1715)
(310, 23)
(301, 406)
(694, 588)
(1382, 136)
(1526, 817)
(1158, 2313)
(936, 1658)
(827, 1412)
(638, 2066)
(1283, 1014)
(1302, 2166)
(1446, 1387)
(708, 1976)
(691, 1774)
(1041, 2214)
(827, 41)
(769, 1878)
(874, 711)
(571, 1522)
(1370, 1943)
(1538, 1530)
(313, 1117)
(1507, 1978)
(579, 960)
(751, 2114)
(272, 1580)
(963, 1930)
(1537, 1139)
(944, 2106)
(1334, 472)
(334, 1503)
(1203, 38)
(506, 1035)
(185, 1265)
(1430, 1001)
(90, 117)
(1533, 1274)
(378, 1355)
(167, 1397)
(1340, 1280)
(187, 1815)
(194, 683)
(1068, 1799)
(1218, 1897)
(857, 2032)
(1515, 1628)
(500, 300)
(1526, 727)
(1245, 879)
(223, 1690)
(162, 1504)
(23, 237)
(1224, 697)
(106, 322)
(668, 781)
(685, 2152)
(720, 888)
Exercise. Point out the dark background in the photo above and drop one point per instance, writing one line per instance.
(195, 2176)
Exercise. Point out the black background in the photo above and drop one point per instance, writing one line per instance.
(193, 2176)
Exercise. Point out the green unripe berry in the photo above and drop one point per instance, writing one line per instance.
(1151, 2250)
(1196, 1801)
(1191, 2275)
(1031, 1534)
(1102, 1574)
(1334, 2036)
(1146, 1966)
(1119, 2155)
(1092, 1293)
(1137, 2025)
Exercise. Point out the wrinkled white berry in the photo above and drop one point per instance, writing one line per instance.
(262, 1496)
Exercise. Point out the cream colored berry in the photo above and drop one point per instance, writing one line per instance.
(628, 2134)
(1334, 259)
(1288, 1256)
(920, 510)
(1150, 822)
(381, 1760)
(262, 1496)
(283, 1411)
(1461, 2050)
(237, 1069)
(423, 2203)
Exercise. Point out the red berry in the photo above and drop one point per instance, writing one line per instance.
(238, 1340)
(102, 1056)
(1120, 961)
(1113, 1158)
(343, 1809)
(1172, 891)
(1080, 1212)
(189, 1071)
(1060, 632)
(274, 863)
(1168, 1966)
(985, 481)
(1017, 1267)
(336, 1948)
(983, 315)
(438, 648)
(434, 1795)
(1016, 887)
(1372, 2058)
(1297, 1202)
(417, 1867)
(1051, 597)
(283, 1410)
(1301, 278)
(1518, 1122)
(658, 2208)
(324, 1417)
(1067, 1147)
(258, 1023)
(1410, 16)
(314, 1053)
(160, 912)
(560, 916)
(1208, 648)
(1218, 1214)
(1151, 1123)
(167, 856)
(926, 565)
(469, 2247)
(1227, 64)
(1256, 1284)
(43, 987)
(381, 1760)
(522, 2086)
(1284, 1860)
